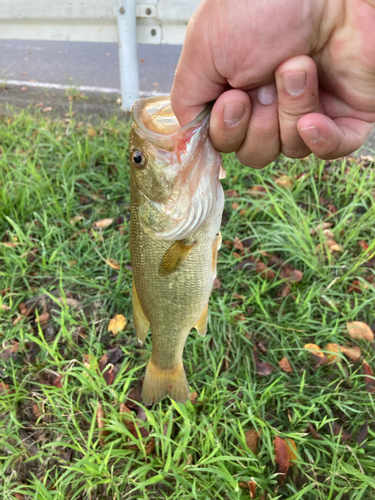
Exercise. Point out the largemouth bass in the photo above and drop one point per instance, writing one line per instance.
(176, 208)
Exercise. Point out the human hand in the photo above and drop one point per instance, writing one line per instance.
(248, 46)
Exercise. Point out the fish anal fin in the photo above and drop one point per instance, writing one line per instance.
(160, 383)
(201, 326)
(141, 323)
(174, 257)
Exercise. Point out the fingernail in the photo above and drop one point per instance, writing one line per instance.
(294, 82)
(233, 113)
(267, 93)
(312, 134)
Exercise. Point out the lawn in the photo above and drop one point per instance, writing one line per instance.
(71, 425)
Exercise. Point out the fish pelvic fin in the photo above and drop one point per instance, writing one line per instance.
(174, 257)
(141, 323)
(160, 383)
(201, 326)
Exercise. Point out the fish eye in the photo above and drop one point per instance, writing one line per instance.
(138, 159)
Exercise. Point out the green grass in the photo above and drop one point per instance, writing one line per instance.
(52, 171)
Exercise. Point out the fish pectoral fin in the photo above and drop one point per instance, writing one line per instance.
(174, 257)
(141, 323)
(160, 383)
(201, 326)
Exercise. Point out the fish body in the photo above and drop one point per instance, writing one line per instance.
(176, 207)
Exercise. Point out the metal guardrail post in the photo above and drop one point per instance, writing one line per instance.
(127, 32)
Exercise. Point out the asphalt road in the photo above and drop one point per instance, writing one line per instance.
(85, 64)
(88, 64)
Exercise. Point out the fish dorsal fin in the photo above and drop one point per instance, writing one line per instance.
(174, 257)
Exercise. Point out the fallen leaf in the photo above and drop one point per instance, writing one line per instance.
(281, 455)
(320, 227)
(369, 377)
(36, 410)
(333, 352)
(4, 388)
(47, 109)
(134, 398)
(238, 244)
(285, 182)
(75, 219)
(313, 431)
(109, 375)
(111, 356)
(285, 290)
(57, 381)
(4, 307)
(100, 416)
(19, 496)
(102, 224)
(231, 193)
(265, 272)
(10, 244)
(42, 318)
(113, 264)
(91, 132)
(252, 439)
(257, 191)
(362, 435)
(360, 330)
(235, 205)
(150, 446)
(117, 324)
(296, 276)
(252, 488)
(193, 396)
(126, 414)
(216, 284)
(263, 368)
(315, 349)
(337, 430)
(353, 353)
(364, 245)
(285, 365)
(10, 351)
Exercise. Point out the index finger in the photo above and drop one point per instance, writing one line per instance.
(196, 82)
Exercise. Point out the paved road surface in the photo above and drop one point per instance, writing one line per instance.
(89, 64)
(84, 64)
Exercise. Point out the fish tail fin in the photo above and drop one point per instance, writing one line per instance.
(160, 383)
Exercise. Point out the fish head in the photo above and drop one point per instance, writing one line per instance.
(174, 171)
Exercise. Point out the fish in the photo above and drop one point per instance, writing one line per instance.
(176, 208)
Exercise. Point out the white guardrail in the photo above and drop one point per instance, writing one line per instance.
(127, 22)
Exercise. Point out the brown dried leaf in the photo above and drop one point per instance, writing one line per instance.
(257, 191)
(263, 368)
(285, 182)
(42, 318)
(102, 224)
(369, 377)
(353, 353)
(91, 132)
(333, 352)
(252, 439)
(216, 284)
(285, 365)
(281, 455)
(314, 349)
(113, 263)
(57, 381)
(68, 301)
(235, 205)
(109, 375)
(36, 410)
(320, 227)
(100, 416)
(313, 431)
(4, 388)
(125, 411)
(10, 244)
(296, 276)
(265, 272)
(360, 330)
(4, 307)
(193, 396)
(238, 244)
(292, 449)
(117, 324)
(340, 431)
(47, 109)
(362, 435)
(230, 193)
(75, 219)
(150, 446)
